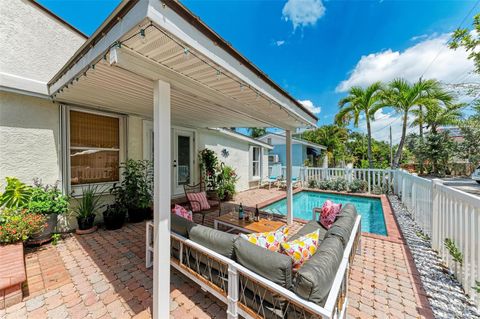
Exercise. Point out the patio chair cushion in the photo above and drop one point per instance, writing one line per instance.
(268, 264)
(343, 225)
(198, 201)
(330, 210)
(180, 225)
(218, 241)
(268, 240)
(302, 249)
(310, 227)
(314, 279)
(182, 212)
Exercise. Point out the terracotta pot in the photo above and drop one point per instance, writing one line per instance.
(85, 223)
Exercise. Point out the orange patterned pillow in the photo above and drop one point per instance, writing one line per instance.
(300, 250)
(268, 240)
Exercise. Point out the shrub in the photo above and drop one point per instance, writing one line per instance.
(312, 183)
(18, 225)
(227, 178)
(339, 184)
(358, 186)
(136, 188)
(324, 185)
(47, 199)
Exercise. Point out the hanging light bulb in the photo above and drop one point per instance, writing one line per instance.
(93, 68)
(218, 74)
(143, 36)
(186, 52)
(104, 59)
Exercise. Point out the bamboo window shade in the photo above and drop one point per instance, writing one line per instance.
(92, 130)
(95, 144)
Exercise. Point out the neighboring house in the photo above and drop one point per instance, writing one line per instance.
(453, 131)
(79, 145)
(302, 150)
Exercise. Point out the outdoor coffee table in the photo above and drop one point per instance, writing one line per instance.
(232, 222)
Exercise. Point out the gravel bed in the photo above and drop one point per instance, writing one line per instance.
(444, 292)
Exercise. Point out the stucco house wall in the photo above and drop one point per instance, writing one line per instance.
(238, 155)
(299, 154)
(38, 46)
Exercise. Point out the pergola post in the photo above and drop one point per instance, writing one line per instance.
(161, 203)
(288, 134)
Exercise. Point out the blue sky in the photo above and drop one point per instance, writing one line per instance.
(310, 46)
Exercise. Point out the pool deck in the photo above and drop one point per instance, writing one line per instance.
(103, 275)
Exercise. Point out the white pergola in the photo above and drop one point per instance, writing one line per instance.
(157, 60)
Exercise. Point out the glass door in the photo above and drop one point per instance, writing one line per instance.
(182, 162)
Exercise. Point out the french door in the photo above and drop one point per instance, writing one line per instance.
(183, 155)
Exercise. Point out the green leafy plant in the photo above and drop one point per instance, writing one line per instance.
(56, 238)
(136, 188)
(47, 199)
(312, 183)
(339, 184)
(454, 251)
(209, 167)
(226, 180)
(18, 225)
(16, 194)
(358, 186)
(422, 235)
(477, 286)
(89, 203)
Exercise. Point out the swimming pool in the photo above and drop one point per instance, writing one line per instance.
(303, 203)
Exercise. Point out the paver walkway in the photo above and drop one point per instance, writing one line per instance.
(106, 278)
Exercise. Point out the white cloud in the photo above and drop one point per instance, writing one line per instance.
(310, 106)
(303, 13)
(279, 43)
(448, 66)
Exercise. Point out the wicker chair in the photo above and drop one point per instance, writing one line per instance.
(215, 204)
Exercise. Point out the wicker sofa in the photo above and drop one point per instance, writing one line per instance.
(255, 282)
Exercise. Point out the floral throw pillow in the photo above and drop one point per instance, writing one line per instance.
(329, 212)
(268, 240)
(301, 249)
(182, 212)
(198, 201)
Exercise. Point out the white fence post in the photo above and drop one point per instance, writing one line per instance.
(233, 287)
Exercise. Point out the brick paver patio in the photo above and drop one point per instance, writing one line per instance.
(103, 275)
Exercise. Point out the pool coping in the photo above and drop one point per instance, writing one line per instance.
(393, 229)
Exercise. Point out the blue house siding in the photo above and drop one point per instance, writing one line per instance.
(299, 154)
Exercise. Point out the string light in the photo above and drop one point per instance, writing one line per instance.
(186, 52)
(218, 74)
(143, 36)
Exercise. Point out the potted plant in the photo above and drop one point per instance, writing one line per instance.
(114, 215)
(86, 209)
(17, 225)
(209, 168)
(48, 201)
(227, 178)
(136, 190)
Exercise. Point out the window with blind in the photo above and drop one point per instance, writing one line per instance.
(94, 148)
(255, 161)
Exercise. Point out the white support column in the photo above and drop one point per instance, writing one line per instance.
(288, 135)
(161, 203)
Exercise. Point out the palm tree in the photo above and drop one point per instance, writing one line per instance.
(404, 97)
(257, 131)
(333, 137)
(360, 100)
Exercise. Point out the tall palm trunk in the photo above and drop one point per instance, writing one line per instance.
(369, 137)
(398, 153)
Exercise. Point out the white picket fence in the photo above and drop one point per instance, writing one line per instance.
(440, 211)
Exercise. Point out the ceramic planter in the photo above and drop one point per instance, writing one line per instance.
(86, 223)
(45, 235)
(114, 218)
(136, 215)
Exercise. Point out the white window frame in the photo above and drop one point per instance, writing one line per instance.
(77, 190)
(259, 161)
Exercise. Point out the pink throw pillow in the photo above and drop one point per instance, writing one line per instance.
(329, 212)
(198, 201)
(182, 212)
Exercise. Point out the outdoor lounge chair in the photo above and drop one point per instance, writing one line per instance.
(275, 175)
(195, 207)
(295, 177)
(256, 282)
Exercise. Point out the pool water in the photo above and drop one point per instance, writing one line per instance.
(303, 203)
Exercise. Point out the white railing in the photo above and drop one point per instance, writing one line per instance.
(440, 211)
(456, 215)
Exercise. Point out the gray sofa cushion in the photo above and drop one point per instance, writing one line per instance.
(271, 265)
(315, 278)
(308, 228)
(218, 241)
(342, 227)
(180, 225)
